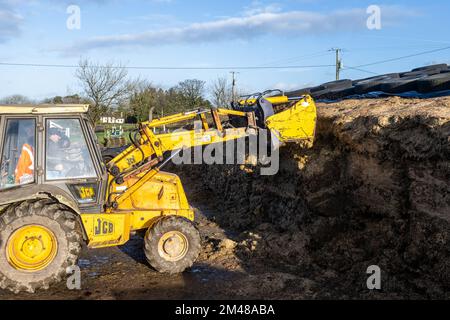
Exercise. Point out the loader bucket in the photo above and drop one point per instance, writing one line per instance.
(296, 124)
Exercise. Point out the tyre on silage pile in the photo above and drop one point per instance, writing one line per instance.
(440, 66)
(423, 73)
(338, 84)
(401, 85)
(439, 82)
(298, 93)
(335, 94)
(373, 83)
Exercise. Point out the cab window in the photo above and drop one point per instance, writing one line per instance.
(18, 157)
(67, 154)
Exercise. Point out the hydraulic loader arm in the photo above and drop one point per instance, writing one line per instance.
(149, 148)
(145, 157)
(296, 122)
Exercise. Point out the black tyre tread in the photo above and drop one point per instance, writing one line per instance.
(437, 82)
(423, 73)
(317, 89)
(373, 83)
(298, 93)
(69, 224)
(163, 226)
(381, 77)
(400, 85)
(338, 84)
(336, 94)
(440, 66)
(329, 86)
(362, 88)
(321, 94)
(342, 93)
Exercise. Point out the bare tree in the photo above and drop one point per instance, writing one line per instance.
(221, 93)
(106, 86)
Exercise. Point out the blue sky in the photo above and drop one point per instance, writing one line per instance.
(201, 33)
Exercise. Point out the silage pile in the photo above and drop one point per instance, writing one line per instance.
(374, 190)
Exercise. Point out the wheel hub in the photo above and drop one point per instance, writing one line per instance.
(173, 246)
(31, 248)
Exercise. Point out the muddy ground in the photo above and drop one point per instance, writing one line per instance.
(123, 273)
(374, 190)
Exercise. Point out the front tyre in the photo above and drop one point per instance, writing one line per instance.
(172, 245)
(38, 241)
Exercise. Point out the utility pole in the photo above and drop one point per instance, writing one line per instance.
(233, 84)
(338, 62)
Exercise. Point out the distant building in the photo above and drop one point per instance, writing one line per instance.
(112, 120)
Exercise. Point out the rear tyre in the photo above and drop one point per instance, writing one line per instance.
(172, 245)
(39, 240)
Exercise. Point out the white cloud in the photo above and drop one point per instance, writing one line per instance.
(255, 22)
(287, 86)
(10, 20)
(256, 7)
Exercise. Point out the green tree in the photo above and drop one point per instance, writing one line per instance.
(192, 93)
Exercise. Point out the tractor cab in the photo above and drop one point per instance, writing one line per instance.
(50, 147)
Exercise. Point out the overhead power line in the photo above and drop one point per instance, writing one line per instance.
(403, 57)
(296, 58)
(230, 68)
(166, 68)
(358, 69)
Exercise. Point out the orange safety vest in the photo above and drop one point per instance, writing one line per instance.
(25, 166)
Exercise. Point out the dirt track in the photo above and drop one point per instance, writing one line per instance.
(375, 190)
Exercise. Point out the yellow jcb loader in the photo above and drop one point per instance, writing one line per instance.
(56, 192)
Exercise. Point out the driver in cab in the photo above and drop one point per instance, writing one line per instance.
(57, 143)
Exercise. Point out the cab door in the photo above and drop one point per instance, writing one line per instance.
(18, 152)
(71, 162)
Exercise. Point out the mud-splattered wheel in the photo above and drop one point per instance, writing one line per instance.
(172, 245)
(38, 241)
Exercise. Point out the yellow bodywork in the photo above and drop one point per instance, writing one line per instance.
(173, 246)
(31, 248)
(273, 100)
(295, 124)
(161, 195)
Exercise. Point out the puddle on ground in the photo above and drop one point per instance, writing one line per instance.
(94, 261)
